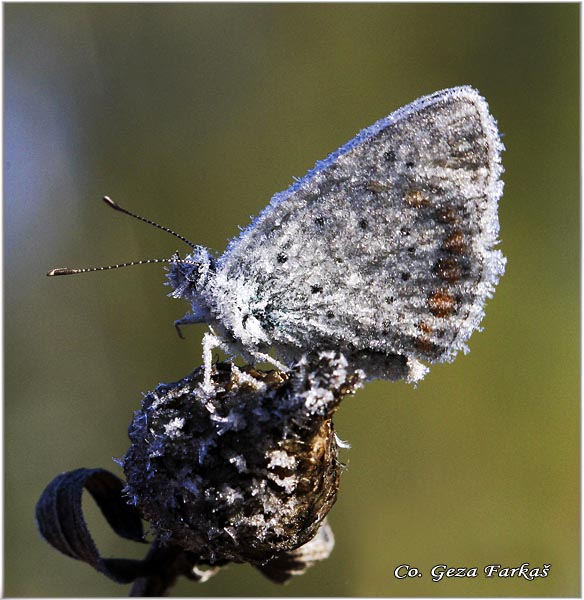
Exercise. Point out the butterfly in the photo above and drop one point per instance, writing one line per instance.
(384, 251)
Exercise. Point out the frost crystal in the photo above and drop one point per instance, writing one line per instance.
(173, 429)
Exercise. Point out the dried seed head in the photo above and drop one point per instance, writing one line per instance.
(247, 473)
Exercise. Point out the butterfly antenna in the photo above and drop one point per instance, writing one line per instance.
(150, 261)
(119, 208)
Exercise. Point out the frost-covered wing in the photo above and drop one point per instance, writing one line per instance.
(388, 244)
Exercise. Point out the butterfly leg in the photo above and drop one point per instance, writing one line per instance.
(262, 357)
(210, 340)
(186, 320)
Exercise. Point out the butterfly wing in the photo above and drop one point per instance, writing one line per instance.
(388, 244)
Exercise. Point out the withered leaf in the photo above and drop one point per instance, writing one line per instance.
(60, 520)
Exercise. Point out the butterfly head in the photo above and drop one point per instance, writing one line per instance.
(191, 275)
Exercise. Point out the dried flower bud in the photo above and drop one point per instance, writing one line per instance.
(246, 473)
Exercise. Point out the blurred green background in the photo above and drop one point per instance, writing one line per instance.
(194, 115)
